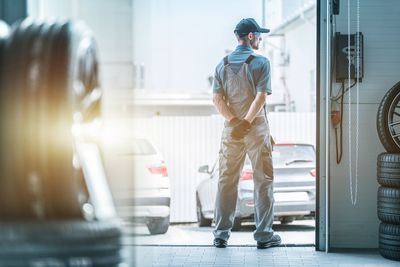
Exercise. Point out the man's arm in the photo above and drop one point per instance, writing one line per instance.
(256, 106)
(263, 88)
(222, 107)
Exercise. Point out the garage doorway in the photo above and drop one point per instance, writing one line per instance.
(172, 105)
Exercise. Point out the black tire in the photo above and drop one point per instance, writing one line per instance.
(158, 226)
(389, 241)
(389, 160)
(237, 225)
(389, 205)
(389, 180)
(43, 64)
(388, 170)
(19, 101)
(382, 120)
(388, 177)
(286, 219)
(28, 243)
(202, 221)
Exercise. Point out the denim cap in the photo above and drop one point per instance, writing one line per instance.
(246, 26)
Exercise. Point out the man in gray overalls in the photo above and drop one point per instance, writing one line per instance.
(241, 84)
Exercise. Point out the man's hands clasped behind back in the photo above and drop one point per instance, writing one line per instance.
(240, 128)
(233, 122)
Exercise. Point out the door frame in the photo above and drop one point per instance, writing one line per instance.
(324, 40)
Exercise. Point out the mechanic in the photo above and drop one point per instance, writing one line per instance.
(241, 84)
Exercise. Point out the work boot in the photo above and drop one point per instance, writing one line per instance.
(220, 243)
(273, 242)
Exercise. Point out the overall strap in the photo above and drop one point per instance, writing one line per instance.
(225, 60)
(249, 59)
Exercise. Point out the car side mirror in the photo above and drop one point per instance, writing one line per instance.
(204, 169)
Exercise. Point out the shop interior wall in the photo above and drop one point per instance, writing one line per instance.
(357, 226)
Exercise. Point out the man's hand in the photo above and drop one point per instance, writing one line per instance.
(233, 122)
(241, 129)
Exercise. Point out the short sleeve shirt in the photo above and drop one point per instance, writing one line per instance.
(259, 69)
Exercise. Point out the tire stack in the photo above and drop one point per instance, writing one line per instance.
(388, 175)
(389, 205)
(49, 83)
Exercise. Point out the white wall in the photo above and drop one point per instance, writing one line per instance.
(292, 51)
(300, 44)
(180, 42)
(357, 226)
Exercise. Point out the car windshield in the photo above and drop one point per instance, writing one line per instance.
(142, 147)
(288, 155)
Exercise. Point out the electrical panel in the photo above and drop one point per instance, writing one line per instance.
(346, 52)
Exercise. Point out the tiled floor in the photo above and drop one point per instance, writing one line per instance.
(235, 256)
(189, 245)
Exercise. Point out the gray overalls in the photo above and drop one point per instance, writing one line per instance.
(239, 93)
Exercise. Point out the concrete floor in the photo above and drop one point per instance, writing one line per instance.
(300, 232)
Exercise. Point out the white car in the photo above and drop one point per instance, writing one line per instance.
(140, 184)
(294, 186)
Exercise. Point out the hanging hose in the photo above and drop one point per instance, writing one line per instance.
(337, 119)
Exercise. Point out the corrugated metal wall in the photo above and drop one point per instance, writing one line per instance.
(189, 142)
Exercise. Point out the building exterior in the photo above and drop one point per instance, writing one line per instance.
(291, 46)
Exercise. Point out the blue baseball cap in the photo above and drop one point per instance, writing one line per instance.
(246, 26)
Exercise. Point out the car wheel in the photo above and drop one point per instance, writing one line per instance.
(385, 119)
(389, 205)
(389, 241)
(237, 225)
(158, 226)
(60, 243)
(286, 219)
(202, 221)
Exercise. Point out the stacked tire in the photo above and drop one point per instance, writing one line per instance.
(48, 83)
(389, 205)
(388, 175)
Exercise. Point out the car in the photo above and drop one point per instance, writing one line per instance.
(140, 183)
(294, 186)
